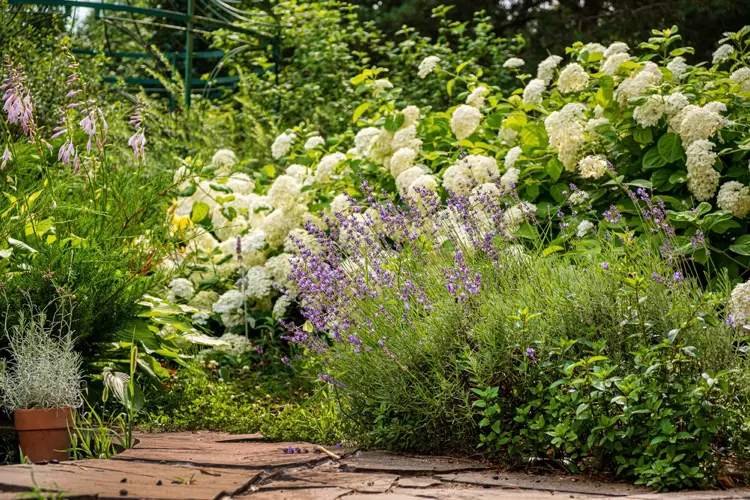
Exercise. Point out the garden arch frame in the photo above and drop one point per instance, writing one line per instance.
(226, 17)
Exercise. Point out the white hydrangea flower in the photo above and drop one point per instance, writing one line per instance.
(592, 126)
(277, 225)
(616, 48)
(299, 239)
(476, 97)
(650, 112)
(742, 77)
(703, 179)
(406, 178)
(364, 138)
(675, 102)
(678, 67)
(230, 301)
(584, 227)
(594, 48)
(411, 115)
(420, 185)
(257, 282)
(285, 192)
(279, 267)
(565, 129)
(180, 288)
(465, 121)
(510, 178)
(281, 306)
(403, 138)
(483, 168)
(507, 135)
(458, 179)
(257, 208)
(532, 94)
(513, 62)
(739, 303)
(573, 78)
(200, 318)
(239, 183)
(224, 159)
(546, 69)
(722, 53)
(512, 156)
(202, 241)
(402, 160)
(518, 214)
(578, 197)
(381, 85)
(226, 229)
(204, 300)
(734, 197)
(301, 173)
(341, 204)
(282, 145)
(327, 167)
(698, 123)
(612, 64)
(637, 83)
(380, 147)
(428, 65)
(313, 142)
(593, 166)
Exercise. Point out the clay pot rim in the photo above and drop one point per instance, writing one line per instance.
(32, 419)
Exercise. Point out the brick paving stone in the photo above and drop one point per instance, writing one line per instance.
(380, 461)
(104, 478)
(216, 450)
(546, 482)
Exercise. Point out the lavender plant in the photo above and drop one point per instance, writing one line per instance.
(44, 370)
(411, 307)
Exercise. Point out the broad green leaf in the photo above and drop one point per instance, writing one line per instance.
(643, 135)
(670, 147)
(741, 245)
(653, 159)
(199, 212)
(358, 112)
(554, 168)
(449, 86)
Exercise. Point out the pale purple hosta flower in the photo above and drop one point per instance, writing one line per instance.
(67, 153)
(138, 140)
(6, 157)
(17, 102)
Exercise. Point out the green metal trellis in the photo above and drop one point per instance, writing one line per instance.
(225, 14)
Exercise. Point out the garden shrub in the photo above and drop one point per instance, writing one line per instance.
(424, 311)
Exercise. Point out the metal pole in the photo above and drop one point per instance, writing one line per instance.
(189, 52)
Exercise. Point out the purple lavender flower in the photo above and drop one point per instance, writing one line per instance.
(285, 360)
(678, 278)
(729, 321)
(658, 278)
(530, 353)
(605, 265)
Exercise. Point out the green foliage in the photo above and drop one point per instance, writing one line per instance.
(282, 407)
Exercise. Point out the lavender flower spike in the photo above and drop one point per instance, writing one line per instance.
(138, 140)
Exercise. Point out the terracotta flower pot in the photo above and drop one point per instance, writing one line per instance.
(44, 434)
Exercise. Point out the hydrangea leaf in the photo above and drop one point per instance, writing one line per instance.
(741, 245)
(653, 159)
(670, 148)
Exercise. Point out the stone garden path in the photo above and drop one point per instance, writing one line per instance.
(207, 465)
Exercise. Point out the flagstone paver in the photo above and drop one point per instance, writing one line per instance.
(217, 466)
